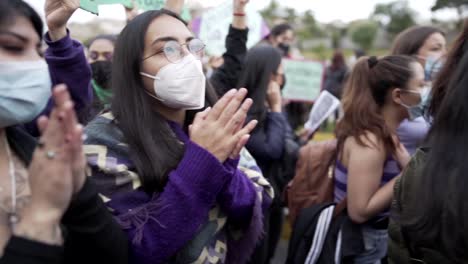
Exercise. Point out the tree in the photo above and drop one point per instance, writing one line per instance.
(394, 17)
(310, 28)
(291, 15)
(363, 34)
(460, 5)
(270, 13)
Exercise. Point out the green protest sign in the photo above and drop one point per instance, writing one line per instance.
(92, 5)
(303, 80)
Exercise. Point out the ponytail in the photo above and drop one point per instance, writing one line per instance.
(365, 93)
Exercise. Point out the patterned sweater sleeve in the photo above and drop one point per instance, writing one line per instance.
(158, 225)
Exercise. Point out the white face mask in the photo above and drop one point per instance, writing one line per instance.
(25, 89)
(418, 110)
(180, 85)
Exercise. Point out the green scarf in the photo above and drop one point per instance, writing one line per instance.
(103, 94)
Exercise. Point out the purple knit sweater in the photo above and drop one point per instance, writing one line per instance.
(159, 225)
(67, 64)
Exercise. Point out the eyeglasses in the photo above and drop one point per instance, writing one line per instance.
(94, 55)
(174, 52)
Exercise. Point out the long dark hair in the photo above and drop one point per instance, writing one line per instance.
(154, 148)
(368, 86)
(441, 83)
(261, 63)
(338, 61)
(440, 212)
(411, 40)
(12, 8)
(278, 30)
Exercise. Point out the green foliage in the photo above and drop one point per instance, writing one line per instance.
(395, 16)
(363, 34)
(460, 5)
(441, 4)
(270, 13)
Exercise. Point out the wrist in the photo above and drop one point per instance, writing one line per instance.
(276, 109)
(39, 226)
(57, 34)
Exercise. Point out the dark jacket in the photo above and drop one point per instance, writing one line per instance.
(334, 80)
(226, 77)
(91, 234)
(399, 240)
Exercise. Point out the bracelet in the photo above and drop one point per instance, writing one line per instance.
(239, 14)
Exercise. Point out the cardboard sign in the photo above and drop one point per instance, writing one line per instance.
(304, 80)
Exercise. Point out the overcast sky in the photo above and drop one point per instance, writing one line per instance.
(325, 10)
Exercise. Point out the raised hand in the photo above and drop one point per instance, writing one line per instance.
(57, 13)
(239, 20)
(221, 130)
(274, 97)
(74, 135)
(239, 5)
(51, 173)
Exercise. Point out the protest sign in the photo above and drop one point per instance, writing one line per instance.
(215, 23)
(303, 80)
(323, 107)
(92, 5)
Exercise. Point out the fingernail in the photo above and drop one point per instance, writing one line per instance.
(231, 92)
(84, 137)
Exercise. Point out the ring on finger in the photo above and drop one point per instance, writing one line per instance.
(51, 154)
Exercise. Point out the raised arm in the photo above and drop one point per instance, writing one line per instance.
(175, 6)
(227, 76)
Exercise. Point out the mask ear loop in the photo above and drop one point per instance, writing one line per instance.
(148, 93)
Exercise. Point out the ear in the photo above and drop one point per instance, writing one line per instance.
(396, 96)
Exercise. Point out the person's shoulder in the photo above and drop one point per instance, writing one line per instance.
(367, 140)
(103, 130)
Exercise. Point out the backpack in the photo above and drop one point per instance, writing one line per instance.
(313, 182)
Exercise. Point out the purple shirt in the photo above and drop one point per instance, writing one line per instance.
(413, 133)
(68, 65)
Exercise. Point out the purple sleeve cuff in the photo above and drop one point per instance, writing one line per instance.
(61, 47)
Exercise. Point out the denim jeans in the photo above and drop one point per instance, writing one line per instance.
(375, 243)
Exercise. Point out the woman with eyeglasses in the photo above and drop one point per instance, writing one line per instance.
(173, 183)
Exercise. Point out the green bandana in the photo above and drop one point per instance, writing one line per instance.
(103, 94)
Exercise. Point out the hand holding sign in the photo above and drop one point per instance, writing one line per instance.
(57, 13)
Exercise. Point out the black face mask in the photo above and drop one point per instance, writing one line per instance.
(102, 73)
(284, 48)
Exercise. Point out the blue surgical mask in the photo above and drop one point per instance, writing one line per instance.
(419, 110)
(25, 89)
(432, 67)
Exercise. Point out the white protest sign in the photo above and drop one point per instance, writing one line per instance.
(303, 80)
(215, 27)
(323, 107)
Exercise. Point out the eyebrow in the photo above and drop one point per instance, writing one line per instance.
(166, 39)
(18, 36)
